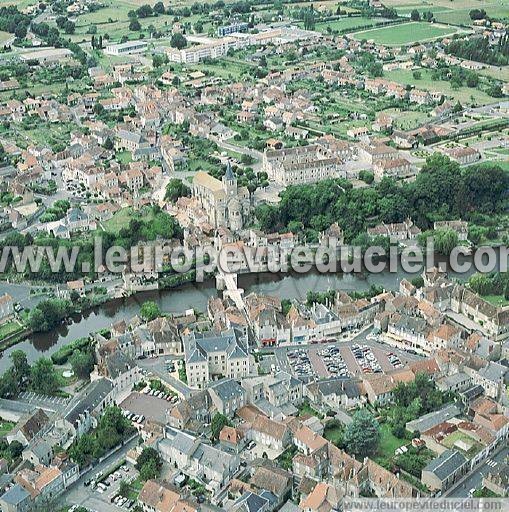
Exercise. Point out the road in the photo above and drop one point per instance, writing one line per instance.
(242, 150)
(474, 479)
(80, 495)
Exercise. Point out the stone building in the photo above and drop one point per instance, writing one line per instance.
(226, 204)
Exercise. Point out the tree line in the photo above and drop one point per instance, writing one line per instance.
(441, 191)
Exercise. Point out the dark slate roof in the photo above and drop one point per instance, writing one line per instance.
(15, 495)
(93, 395)
(446, 464)
(227, 389)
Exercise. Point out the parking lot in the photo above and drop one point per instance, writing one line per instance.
(361, 356)
(108, 490)
(52, 403)
(150, 407)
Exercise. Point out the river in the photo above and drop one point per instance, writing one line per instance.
(195, 296)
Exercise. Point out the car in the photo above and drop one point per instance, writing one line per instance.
(472, 492)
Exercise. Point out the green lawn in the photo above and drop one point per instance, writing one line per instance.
(333, 434)
(389, 443)
(9, 328)
(5, 428)
(451, 439)
(124, 157)
(347, 23)
(405, 33)
(496, 300)
(122, 218)
(407, 120)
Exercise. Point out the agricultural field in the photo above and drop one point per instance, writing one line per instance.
(406, 33)
(455, 12)
(113, 21)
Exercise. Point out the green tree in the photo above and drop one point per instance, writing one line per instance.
(43, 378)
(82, 363)
(134, 26)
(363, 434)
(149, 464)
(414, 15)
(178, 41)
(218, 422)
(124, 489)
(176, 188)
(149, 311)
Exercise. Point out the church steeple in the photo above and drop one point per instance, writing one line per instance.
(229, 180)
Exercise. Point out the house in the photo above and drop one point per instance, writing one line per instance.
(491, 377)
(158, 497)
(227, 395)
(463, 155)
(39, 452)
(28, 427)
(207, 464)
(231, 439)
(497, 479)
(210, 355)
(6, 307)
(459, 226)
(444, 470)
(271, 434)
(432, 419)
(323, 498)
(16, 499)
(336, 393)
(395, 168)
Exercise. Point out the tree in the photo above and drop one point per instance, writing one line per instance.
(43, 377)
(134, 26)
(178, 41)
(20, 367)
(82, 364)
(149, 464)
(158, 8)
(446, 240)
(218, 422)
(414, 15)
(20, 32)
(108, 144)
(363, 434)
(149, 311)
(176, 188)
(124, 489)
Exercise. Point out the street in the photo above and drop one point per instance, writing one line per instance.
(80, 495)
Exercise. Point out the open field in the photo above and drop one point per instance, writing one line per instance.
(405, 33)
(407, 120)
(347, 23)
(456, 13)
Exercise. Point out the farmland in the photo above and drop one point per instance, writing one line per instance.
(405, 33)
(456, 13)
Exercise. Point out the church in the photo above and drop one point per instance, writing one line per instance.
(226, 204)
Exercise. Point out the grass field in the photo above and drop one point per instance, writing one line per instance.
(121, 220)
(9, 328)
(456, 12)
(348, 23)
(407, 120)
(460, 436)
(405, 33)
(5, 428)
(496, 300)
